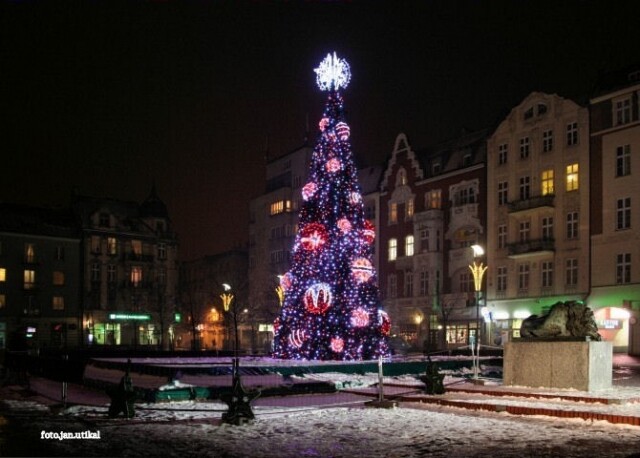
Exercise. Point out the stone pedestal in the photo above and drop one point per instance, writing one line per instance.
(584, 366)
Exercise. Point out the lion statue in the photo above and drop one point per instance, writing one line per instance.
(564, 319)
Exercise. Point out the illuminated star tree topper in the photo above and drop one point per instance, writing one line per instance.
(333, 73)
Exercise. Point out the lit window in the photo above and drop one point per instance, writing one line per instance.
(572, 177)
(58, 303)
(136, 276)
(547, 141)
(29, 252)
(572, 134)
(408, 245)
(409, 208)
(136, 247)
(393, 212)
(3, 274)
(623, 213)
(433, 199)
(623, 160)
(623, 268)
(112, 246)
(547, 182)
(29, 279)
(58, 278)
(393, 249)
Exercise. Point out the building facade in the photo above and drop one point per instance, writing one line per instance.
(207, 325)
(615, 208)
(431, 213)
(538, 203)
(40, 279)
(130, 272)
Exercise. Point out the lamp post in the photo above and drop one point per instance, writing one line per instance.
(238, 400)
(477, 270)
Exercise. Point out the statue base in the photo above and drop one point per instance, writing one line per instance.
(580, 365)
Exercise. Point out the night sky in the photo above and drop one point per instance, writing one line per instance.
(107, 97)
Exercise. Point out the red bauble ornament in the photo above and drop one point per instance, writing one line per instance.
(355, 198)
(369, 232)
(333, 165)
(343, 130)
(359, 317)
(324, 122)
(362, 270)
(297, 338)
(385, 322)
(313, 236)
(337, 344)
(318, 298)
(276, 325)
(344, 225)
(309, 190)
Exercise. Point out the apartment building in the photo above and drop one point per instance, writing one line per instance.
(538, 206)
(431, 214)
(615, 207)
(129, 259)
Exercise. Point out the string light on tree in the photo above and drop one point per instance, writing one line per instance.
(331, 306)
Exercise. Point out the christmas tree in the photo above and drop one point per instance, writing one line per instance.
(331, 305)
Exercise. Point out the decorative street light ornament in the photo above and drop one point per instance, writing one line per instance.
(343, 130)
(477, 270)
(362, 270)
(313, 236)
(308, 190)
(318, 298)
(355, 198)
(324, 122)
(297, 338)
(385, 322)
(333, 73)
(344, 225)
(333, 165)
(359, 318)
(369, 232)
(337, 344)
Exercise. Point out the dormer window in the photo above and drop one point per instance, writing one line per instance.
(528, 114)
(103, 220)
(542, 109)
(435, 168)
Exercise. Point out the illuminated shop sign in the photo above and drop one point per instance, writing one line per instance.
(609, 324)
(130, 316)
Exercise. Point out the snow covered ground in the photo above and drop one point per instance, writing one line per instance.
(320, 425)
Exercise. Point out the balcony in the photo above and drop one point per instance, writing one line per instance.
(531, 248)
(532, 203)
(430, 214)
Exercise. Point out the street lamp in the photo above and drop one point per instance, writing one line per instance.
(238, 400)
(477, 270)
